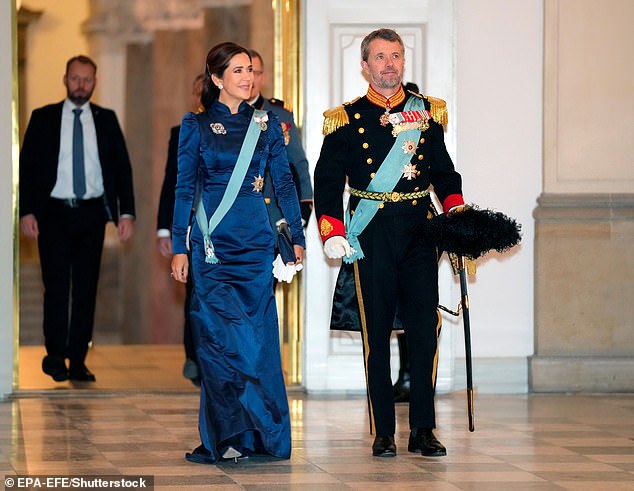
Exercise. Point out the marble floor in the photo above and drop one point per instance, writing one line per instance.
(140, 417)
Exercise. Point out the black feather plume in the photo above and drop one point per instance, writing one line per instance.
(472, 232)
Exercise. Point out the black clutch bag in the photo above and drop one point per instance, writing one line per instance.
(285, 243)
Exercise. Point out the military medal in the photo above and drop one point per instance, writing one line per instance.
(286, 128)
(409, 120)
(218, 129)
(258, 184)
(385, 117)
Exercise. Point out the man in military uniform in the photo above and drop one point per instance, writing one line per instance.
(389, 146)
(294, 150)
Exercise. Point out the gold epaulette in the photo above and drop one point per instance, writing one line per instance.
(336, 118)
(277, 102)
(438, 109)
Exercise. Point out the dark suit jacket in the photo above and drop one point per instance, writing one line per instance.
(39, 159)
(166, 201)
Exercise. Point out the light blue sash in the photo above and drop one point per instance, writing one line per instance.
(235, 182)
(385, 180)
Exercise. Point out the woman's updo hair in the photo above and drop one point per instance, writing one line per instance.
(218, 60)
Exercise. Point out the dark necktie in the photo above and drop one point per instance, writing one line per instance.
(79, 174)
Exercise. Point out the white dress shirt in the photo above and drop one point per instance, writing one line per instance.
(94, 180)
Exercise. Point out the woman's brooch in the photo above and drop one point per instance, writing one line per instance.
(261, 120)
(409, 120)
(218, 129)
(258, 184)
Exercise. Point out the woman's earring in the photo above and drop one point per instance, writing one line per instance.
(220, 86)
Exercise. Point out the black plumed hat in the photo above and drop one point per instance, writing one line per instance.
(472, 232)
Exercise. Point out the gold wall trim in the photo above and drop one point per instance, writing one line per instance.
(287, 85)
(287, 55)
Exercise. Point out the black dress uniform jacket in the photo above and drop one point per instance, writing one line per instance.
(357, 149)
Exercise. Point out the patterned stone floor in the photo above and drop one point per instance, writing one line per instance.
(521, 442)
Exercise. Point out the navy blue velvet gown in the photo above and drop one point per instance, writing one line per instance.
(243, 400)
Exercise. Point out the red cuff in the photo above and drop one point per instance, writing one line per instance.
(329, 227)
(451, 201)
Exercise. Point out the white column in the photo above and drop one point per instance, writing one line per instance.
(8, 183)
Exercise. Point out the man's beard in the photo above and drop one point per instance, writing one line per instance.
(387, 83)
(79, 100)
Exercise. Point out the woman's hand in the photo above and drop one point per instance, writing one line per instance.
(299, 254)
(180, 267)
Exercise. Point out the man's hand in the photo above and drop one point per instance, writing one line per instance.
(336, 247)
(165, 246)
(125, 228)
(28, 225)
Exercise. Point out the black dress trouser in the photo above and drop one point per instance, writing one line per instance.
(70, 244)
(399, 269)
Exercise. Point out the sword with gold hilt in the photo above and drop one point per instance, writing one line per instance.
(462, 266)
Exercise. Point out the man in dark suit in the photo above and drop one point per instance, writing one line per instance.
(164, 227)
(294, 150)
(75, 176)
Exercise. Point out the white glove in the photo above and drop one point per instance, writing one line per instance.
(337, 247)
(285, 272)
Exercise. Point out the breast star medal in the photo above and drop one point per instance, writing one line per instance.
(218, 129)
(409, 171)
(409, 147)
(258, 184)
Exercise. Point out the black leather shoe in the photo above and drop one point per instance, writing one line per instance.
(80, 373)
(401, 387)
(384, 446)
(423, 440)
(55, 366)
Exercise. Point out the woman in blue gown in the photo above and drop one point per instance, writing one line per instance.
(243, 404)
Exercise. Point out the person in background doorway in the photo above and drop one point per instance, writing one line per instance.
(294, 150)
(164, 225)
(75, 176)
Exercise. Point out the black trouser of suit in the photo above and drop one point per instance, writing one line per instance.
(70, 244)
(398, 268)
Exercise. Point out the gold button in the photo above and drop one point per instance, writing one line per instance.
(365, 145)
(418, 173)
(372, 175)
(422, 140)
(267, 201)
(361, 130)
(369, 161)
(416, 188)
(352, 212)
(420, 157)
(381, 205)
(357, 115)
(414, 203)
